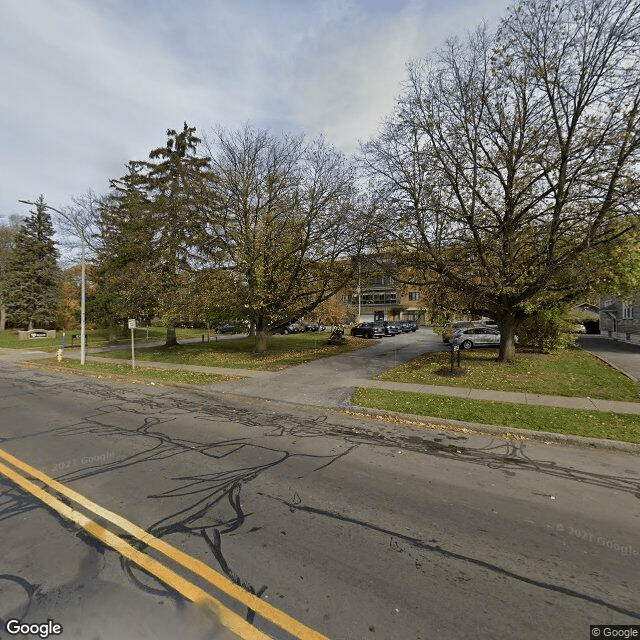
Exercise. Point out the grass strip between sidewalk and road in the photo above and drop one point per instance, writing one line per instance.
(570, 372)
(577, 422)
(142, 374)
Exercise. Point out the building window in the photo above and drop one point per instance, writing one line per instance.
(627, 311)
(414, 295)
(379, 298)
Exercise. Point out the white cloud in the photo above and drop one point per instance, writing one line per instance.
(355, 75)
(89, 85)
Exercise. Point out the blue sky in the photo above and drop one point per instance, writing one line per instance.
(88, 85)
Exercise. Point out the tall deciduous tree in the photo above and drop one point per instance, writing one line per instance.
(32, 278)
(285, 219)
(510, 167)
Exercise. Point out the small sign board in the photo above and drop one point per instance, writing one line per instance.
(456, 347)
(132, 323)
(36, 334)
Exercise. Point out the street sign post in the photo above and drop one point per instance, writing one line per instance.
(132, 326)
(455, 349)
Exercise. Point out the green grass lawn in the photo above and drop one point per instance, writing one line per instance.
(108, 369)
(593, 424)
(95, 338)
(571, 372)
(238, 353)
(9, 340)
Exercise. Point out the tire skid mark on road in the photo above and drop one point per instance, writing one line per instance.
(230, 619)
(209, 489)
(206, 494)
(436, 548)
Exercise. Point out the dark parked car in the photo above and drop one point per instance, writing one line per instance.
(388, 328)
(288, 327)
(368, 330)
(235, 326)
(314, 327)
(407, 326)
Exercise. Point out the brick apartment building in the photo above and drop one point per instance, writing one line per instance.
(382, 299)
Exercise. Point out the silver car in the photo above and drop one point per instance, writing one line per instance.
(476, 337)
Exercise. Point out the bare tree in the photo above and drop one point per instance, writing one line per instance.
(79, 223)
(285, 218)
(510, 166)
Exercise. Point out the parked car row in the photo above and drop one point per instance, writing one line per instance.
(233, 327)
(364, 329)
(284, 328)
(380, 329)
(297, 327)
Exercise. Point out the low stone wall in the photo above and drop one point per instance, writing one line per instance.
(36, 334)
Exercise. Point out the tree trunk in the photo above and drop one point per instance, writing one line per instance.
(3, 318)
(507, 339)
(113, 332)
(171, 340)
(30, 327)
(262, 336)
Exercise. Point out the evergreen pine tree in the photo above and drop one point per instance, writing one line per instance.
(149, 233)
(32, 278)
(7, 235)
(177, 185)
(125, 272)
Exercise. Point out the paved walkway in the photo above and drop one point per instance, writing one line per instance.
(624, 356)
(330, 382)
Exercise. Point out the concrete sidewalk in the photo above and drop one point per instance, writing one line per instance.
(330, 382)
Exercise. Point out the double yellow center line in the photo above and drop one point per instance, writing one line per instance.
(226, 616)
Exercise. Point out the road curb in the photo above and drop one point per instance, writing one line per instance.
(417, 421)
(528, 434)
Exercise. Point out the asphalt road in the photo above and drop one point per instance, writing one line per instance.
(623, 355)
(356, 528)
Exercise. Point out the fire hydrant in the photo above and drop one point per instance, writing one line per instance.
(59, 355)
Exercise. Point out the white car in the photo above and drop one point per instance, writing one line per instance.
(476, 337)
